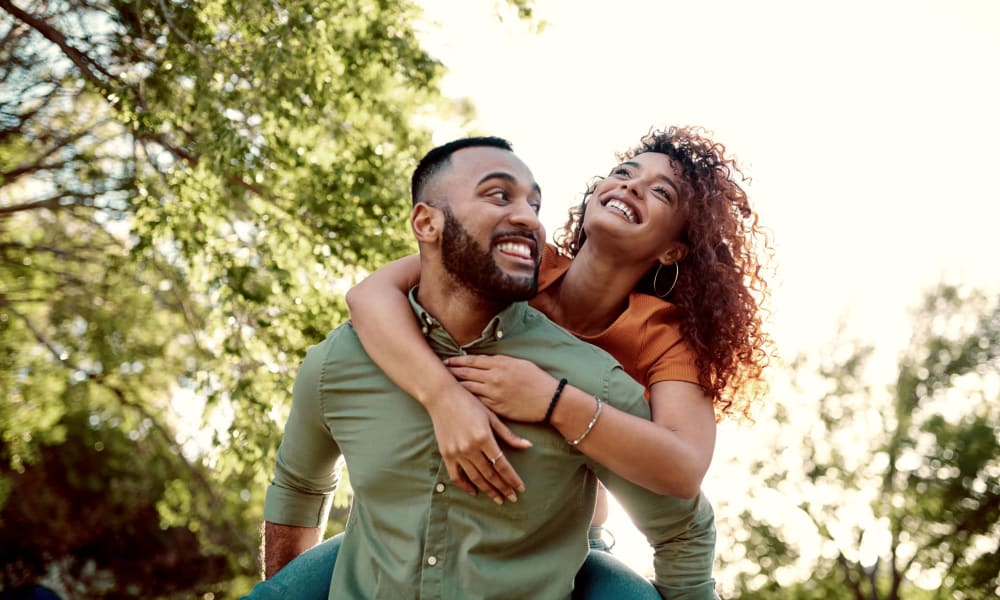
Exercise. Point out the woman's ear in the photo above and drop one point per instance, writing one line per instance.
(427, 223)
(674, 254)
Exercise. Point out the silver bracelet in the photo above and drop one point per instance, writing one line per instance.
(586, 432)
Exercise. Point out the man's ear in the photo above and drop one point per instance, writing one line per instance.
(674, 254)
(427, 223)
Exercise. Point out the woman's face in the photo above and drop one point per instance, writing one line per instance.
(643, 201)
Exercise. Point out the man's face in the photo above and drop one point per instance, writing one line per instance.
(475, 267)
(492, 239)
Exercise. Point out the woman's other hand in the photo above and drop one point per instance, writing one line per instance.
(511, 387)
(465, 429)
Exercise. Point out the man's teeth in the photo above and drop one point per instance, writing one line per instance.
(521, 250)
(623, 208)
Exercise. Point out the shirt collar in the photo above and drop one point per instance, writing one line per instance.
(505, 323)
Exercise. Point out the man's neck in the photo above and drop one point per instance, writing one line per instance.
(463, 313)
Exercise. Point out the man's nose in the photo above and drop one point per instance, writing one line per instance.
(524, 216)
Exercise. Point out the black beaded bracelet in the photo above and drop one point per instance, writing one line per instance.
(555, 398)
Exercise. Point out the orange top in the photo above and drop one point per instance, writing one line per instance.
(646, 338)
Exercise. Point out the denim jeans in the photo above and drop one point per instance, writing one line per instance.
(307, 577)
(602, 577)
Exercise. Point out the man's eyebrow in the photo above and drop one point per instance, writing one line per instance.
(508, 178)
(662, 178)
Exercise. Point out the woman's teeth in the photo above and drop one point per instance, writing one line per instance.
(623, 208)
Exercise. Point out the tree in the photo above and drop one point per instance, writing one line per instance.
(887, 494)
(185, 189)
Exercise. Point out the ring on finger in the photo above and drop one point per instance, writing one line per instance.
(494, 460)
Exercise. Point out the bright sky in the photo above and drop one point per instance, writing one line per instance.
(870, 130)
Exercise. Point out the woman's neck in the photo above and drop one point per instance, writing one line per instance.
(594, 292)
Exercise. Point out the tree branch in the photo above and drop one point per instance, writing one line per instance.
(57, 144)
(22, 170)
(849, 576)
(180, 34)
(50, 203)
(54, 202)
(177, 151)
(13, 33)
(60, 252)
(87, 65)
(23, 118)
(186, 311)
(988, 505)
(35, 332)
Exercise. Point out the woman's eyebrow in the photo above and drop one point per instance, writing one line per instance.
(661, 177)
(669, 182)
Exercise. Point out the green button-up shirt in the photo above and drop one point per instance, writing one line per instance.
(411, 533)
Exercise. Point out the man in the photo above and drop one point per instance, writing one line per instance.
(411, 532)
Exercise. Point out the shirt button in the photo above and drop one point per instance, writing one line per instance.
(439, 488)
(499, 335)
(432, 560)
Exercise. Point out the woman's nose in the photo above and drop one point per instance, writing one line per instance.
(631, 186)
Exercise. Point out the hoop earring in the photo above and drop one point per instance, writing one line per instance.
(677, 272)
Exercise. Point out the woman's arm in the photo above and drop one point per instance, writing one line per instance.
(382, 316)
(669, 454)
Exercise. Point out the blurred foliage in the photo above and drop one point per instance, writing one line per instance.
(883, 494)
(186, 188)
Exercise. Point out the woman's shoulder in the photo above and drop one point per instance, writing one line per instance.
(652, 313)
(663, 353)
(552, 267)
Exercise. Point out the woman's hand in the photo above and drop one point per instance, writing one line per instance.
(511, 387)
(465, 430)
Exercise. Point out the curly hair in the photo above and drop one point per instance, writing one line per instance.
(721, 288)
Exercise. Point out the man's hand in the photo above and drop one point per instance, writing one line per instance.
(464, 429)
(282, 543)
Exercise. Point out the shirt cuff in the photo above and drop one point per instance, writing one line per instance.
(288, 507)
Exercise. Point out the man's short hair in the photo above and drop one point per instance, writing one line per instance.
(435, 160)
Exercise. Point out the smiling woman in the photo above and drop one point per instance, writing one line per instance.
(647, 200)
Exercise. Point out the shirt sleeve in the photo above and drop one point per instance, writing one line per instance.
(675, 363)
(670, 357)
(306, 472)
(681, 531)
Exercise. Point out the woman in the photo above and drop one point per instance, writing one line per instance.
(660, 265)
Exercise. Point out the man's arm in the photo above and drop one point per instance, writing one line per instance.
(306, 471)
(282, 543)
(680, 530)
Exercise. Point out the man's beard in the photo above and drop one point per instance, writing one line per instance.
(476, 269)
